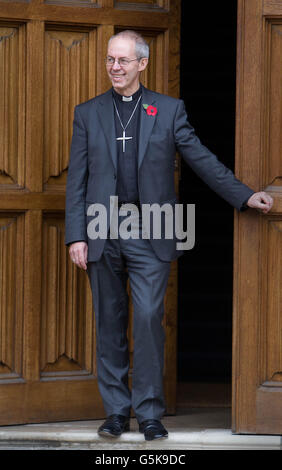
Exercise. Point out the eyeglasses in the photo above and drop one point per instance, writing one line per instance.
(122, 61)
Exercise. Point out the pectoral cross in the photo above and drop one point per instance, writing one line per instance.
(123, 138)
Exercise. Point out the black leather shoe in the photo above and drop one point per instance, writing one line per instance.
(114, 426)
(153, 429)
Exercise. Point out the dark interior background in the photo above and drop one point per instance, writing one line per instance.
(208, 80)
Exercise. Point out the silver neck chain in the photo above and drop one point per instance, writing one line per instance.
(124, 127)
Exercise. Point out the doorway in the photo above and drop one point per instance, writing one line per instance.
(208, 87)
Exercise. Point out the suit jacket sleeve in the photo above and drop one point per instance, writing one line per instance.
(75, 222)
(206, 165)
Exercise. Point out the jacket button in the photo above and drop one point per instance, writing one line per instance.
(115, 177)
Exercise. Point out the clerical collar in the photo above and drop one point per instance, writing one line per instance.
(126, 99)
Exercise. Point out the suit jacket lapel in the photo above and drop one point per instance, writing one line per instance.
(107, 121)
(146, 124)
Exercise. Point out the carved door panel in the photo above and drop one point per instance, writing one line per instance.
(51, 58)
(257, 353)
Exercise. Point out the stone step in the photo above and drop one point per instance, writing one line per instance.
(195, 429)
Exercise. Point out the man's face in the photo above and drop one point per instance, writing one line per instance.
(125, 79)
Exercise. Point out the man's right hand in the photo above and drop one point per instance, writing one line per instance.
(78, 253)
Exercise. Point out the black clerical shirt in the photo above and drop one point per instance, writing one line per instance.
(127, 170)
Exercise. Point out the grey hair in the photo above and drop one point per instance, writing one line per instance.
(141, 46)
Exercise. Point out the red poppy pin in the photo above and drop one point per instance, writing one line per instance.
(151, 110)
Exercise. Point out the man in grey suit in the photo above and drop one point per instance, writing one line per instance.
(124, 143)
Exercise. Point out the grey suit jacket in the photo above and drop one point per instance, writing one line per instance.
(92, 172)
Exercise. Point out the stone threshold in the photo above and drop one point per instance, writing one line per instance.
(195, 429)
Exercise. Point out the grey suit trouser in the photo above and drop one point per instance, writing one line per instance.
(148, 276)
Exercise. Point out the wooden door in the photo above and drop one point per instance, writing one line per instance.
(257, 351)
(51, 58)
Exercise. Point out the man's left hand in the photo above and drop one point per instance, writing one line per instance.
(261, 201)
